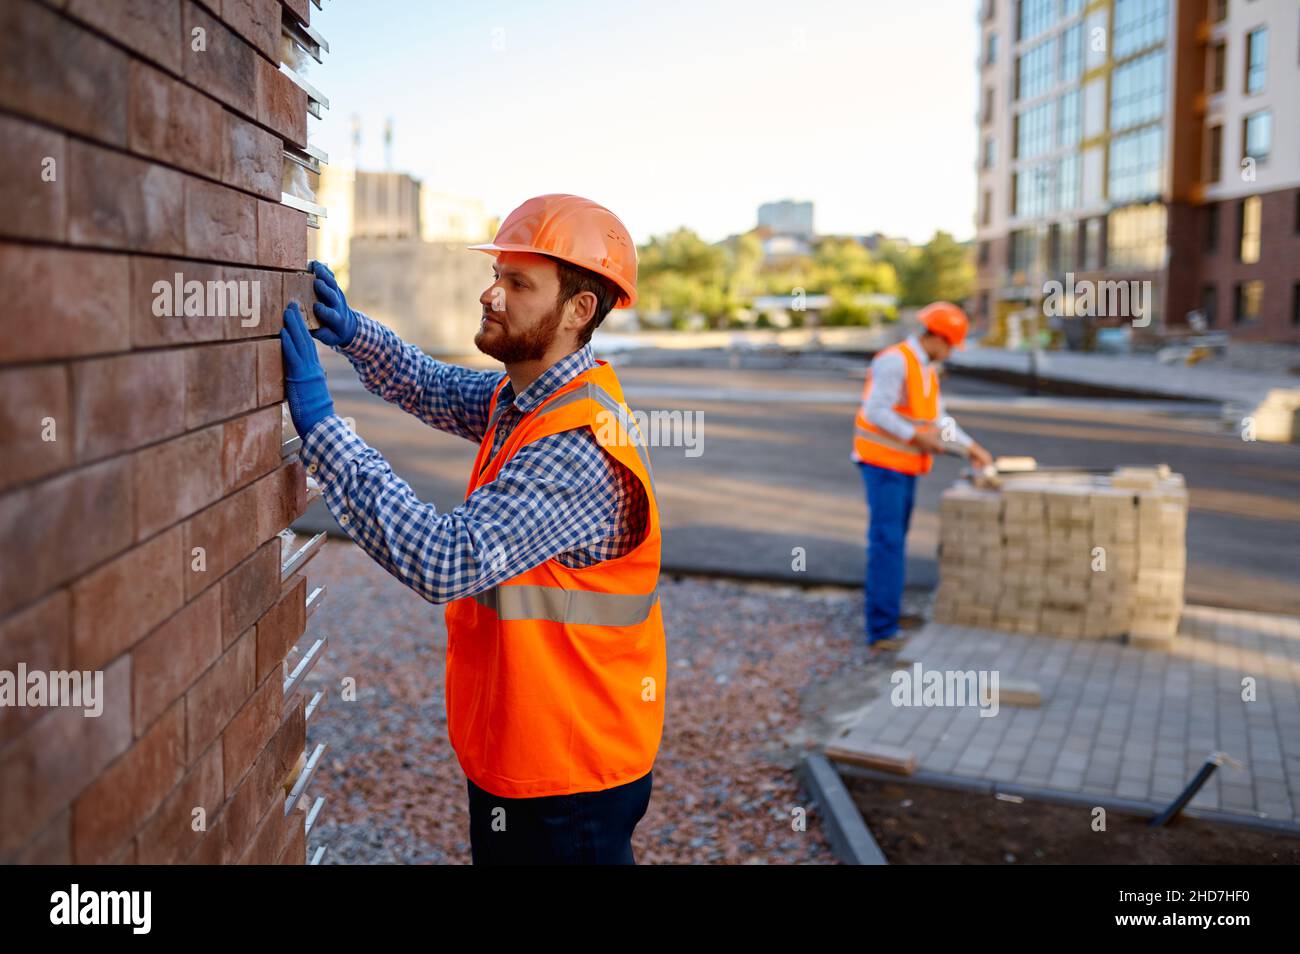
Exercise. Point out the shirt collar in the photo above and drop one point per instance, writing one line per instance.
(550, 380)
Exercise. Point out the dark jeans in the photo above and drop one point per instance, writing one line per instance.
(587, 828)
(889, 496)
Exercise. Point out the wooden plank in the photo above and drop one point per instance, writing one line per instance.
(876, 755)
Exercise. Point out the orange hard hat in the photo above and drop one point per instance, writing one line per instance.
(946, 320)
(576, 230)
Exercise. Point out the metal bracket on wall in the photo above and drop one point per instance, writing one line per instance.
(309, 157)
(320, 853)
(290, 447)
(305, 665)
(304, 36)
(296, 562)
(315, 704)
(313, 813)
(314, 599)
(315, 211)
(304, 778)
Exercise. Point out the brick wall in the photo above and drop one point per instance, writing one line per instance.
(144, 478)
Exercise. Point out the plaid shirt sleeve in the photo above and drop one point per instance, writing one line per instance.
(555, 494)
(445, 396)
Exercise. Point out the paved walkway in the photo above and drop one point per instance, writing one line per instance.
(1116, 720)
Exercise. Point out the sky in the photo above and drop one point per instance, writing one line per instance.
(669, 113)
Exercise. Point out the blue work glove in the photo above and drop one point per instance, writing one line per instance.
(304, 378)
(338, 322)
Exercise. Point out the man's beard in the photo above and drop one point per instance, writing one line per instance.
(531, 345)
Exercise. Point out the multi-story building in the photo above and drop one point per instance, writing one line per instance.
(1143, 140)
(787, 217)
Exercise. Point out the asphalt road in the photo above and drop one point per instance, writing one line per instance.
(771, 479)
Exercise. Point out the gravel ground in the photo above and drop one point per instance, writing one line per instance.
(757, 674)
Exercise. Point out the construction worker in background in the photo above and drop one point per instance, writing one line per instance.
(900, 424)
(555, 669)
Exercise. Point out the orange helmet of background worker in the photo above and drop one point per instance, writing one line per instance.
(576, 230)
(946, 320)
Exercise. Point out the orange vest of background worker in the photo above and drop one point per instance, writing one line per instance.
(555, 677)
(897, 430)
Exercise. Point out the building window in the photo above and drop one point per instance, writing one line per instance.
(1033, 191)
(1035, 70)
(1092, 244)
(1137, 91)
(991, 50)
(1138, 24)
(1136, 164)
(1256, 59)
(987, 114)
(1257, 135)
(990, 153)
(983, 255)
(1210, 304)
(986, 208)
(1135, 237)
(1070, 8)
(1218, 57)
(1250, 299)
(1069, 180)
(1023, 249)
(1069, 119)
(1248, 229)
(1218, 10)
(1216, 154)
(1072, 54)
(1034, 133)
(1212, 228)
(1062, 241)
(1295, 304)
(1035, 17)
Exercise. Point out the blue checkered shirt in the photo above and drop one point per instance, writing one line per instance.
(560, 496)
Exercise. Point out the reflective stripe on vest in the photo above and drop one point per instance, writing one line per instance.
(579, 607)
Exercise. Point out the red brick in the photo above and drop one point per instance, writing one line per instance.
(119, 201)
(218, 695)
(258, 21)
(34, 405)
(51, 846)
(270, 372)
(76, 301)
(221, 381)
(254, 158)
(227, 533)
(32, 167)
(176, 479)
(53, 70)
(269, 840)
(249, 590)
(281, 236)
(91, 506)
(281, 628)
(251, 729)
(46, 767)
(251, 447)
(155, 319)
(300, 8)
(123, 402)
(281, 104)
(170, 835)
(281, 498)
(175, 123)
(295, 850)
(150, 27)
(298, 286)
(220, 223)
(167, 662)
(115, 606)
(41, 637)
(227, 68)
(269, 318)
(110, 811)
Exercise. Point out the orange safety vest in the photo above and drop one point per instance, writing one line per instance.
(555, 678)
(920, 406)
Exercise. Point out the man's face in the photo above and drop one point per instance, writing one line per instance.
(937, 348)
(520, 315)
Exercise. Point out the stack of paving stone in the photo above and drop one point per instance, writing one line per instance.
(1072, 555)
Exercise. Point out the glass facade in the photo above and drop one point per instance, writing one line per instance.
(1138, 25)
(1035, 17)
(1069, 118)
(1136, 164)
(1137, 91)
(1034, 134)
(1068, 182)
(1036, 70)
(1256, 59)
(1135, 237)
(1072, 54)
(1257, 135)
